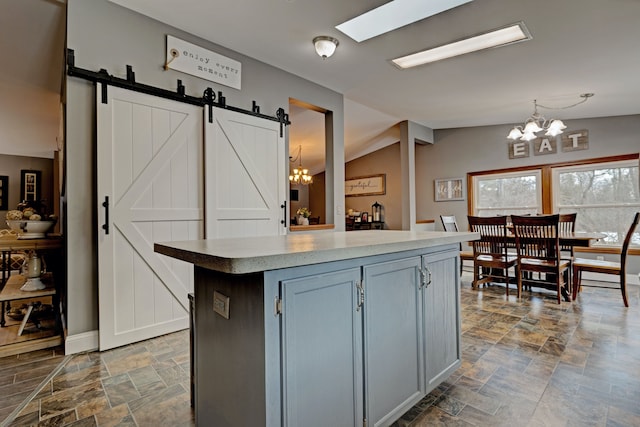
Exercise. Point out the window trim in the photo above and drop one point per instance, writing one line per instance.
(547, 190)
(514, 174)
(556, 171)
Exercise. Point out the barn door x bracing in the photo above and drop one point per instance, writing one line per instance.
(150, 169)
(245, 176)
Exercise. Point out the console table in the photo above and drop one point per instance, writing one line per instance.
(10, 244)
(12, 292)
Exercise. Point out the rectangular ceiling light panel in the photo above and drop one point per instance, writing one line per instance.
(393, 15)
(500, 37)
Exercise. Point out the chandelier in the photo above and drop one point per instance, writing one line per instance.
(300, 174)
(537, 123)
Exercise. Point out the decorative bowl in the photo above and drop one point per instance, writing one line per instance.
(30, 229)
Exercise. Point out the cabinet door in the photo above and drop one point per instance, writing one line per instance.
(322, 350)
(393, 339)
(441, 316)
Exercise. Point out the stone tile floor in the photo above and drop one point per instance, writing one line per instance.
(525, 363)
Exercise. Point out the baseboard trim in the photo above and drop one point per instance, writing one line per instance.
(632, 279)
(79, 343)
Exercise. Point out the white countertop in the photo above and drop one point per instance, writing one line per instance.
(253, 254)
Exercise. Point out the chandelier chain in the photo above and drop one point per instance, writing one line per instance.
(537, 122)
(585, 97)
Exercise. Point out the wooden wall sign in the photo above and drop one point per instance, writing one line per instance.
(200, 62)
(545, 145)
(575, 140)
(372, 185)
(569, 141)
(518, 149)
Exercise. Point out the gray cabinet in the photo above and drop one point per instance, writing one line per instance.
(441, 297)
(393, 339)
(322, 350)
(345, 343)
(354, 341)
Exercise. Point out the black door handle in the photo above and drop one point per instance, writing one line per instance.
(283, 221)
(105, 204)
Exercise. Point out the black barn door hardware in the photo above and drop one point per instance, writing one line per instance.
(209, 97)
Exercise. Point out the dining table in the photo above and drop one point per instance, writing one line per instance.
(575, 239)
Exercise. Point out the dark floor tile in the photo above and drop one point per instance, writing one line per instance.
(61, 419)
(69, 399)
(170, 411)
(28, 419)
(120, 390)
(435, 416)
(154, 399)
(528, 362)
(67, 380)
(85, 422)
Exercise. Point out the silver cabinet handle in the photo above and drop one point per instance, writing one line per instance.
(360, 287)
(426, 273)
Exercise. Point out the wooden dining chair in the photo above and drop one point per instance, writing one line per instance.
(566, 225)
(606, 267)
(538, 249)
(491, 261)
(449, 224)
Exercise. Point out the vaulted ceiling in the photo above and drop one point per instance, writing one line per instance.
(578, 46)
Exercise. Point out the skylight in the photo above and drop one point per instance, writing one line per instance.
(393, 15)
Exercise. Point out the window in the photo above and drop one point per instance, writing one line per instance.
(604, 192)
(606, 196)
(517, 193)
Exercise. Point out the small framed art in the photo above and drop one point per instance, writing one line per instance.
(30, 185)
(449, 189)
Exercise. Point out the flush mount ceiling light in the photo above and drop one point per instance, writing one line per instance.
(537, 123)
(496, 38)
(393, 15)
(325, 46)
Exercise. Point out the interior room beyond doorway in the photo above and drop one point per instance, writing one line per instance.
(307, 149)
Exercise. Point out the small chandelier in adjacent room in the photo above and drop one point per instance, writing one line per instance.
(537, 123)
(300, 175)
(325, 46)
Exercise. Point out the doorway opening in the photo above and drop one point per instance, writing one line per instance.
(307, 147)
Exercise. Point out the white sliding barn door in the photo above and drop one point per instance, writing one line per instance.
(150, 167)
(245, 175)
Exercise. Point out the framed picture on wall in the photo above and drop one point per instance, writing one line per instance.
(4, 193)
(370, 185)
(449, 189)
(30, 185)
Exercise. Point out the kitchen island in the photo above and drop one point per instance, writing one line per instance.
(322, 329)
